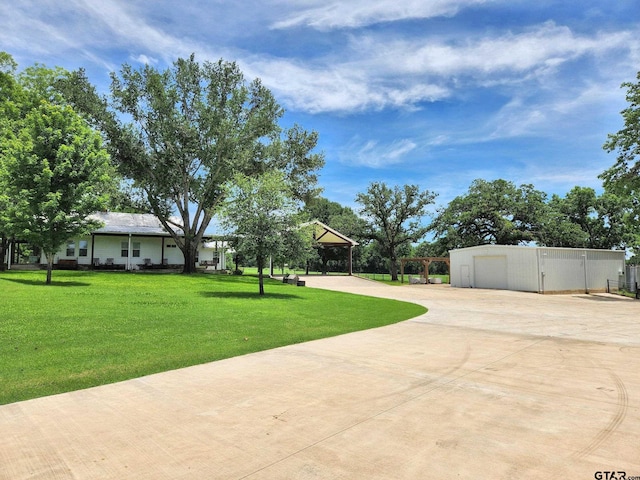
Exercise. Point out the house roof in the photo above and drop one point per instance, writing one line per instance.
(118, 223)
(129, 223)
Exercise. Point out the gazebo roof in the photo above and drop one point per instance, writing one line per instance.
(327, 236)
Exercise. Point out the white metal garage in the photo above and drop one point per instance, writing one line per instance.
(535, 269)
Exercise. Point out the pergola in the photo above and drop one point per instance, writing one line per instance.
(325, 236)
(426, 261)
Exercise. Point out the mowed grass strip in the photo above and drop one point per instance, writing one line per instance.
(94, 328)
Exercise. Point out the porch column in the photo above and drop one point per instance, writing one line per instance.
(350, 259)
(93, 244)
(129, 254)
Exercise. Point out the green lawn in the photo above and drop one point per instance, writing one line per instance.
(93, 328)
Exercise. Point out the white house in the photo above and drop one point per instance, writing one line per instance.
(133, 241)
(535, 269)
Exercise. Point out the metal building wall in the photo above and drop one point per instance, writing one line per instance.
(523, 268)
(579, 270)
(603, 265)
(562, 270)
(521, 271)
(536, 269)
(461, 268)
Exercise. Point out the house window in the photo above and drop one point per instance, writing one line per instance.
(83, 247)
(124, 249)
(136, 249)
(71, 249)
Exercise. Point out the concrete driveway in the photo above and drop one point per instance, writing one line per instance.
(488, 384)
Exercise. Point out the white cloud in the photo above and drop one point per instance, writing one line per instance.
(44, 36)
(559, 178)
(323, 15)
(337, 88)
(128, 28)
(66, 29)
(518, 117)
(555, 113)
(145, 60)
(376, 72)
(368, 72)
(540, 48)
(374, 155)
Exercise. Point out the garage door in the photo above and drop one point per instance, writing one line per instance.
(491, 272)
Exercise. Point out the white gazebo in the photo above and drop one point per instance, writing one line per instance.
(325, 236)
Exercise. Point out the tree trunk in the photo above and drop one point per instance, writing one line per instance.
(325, 260)
(393, 267)
(3, 250)
(189, 253)
(49, 267)
(260, 262)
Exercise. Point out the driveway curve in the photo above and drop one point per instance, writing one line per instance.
(487, 384)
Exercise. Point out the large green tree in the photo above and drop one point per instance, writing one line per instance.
(56, 169)
(264, 218)
(15, 102)
(623, 178)
(53, 169)
(10, 94)
(394, 217)
(583, 219)
(193, 127)
(491, 212)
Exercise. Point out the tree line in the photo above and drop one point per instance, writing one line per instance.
(388, 225)
(198, 140)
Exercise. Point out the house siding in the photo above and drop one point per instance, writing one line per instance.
(110, 246)
(128, 239)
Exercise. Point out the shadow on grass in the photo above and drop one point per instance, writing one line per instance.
(248, 295)
(244, 278)
(54, 283)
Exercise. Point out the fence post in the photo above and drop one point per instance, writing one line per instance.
(608, 288)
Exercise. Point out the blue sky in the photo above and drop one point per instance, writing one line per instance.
(429, 92)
